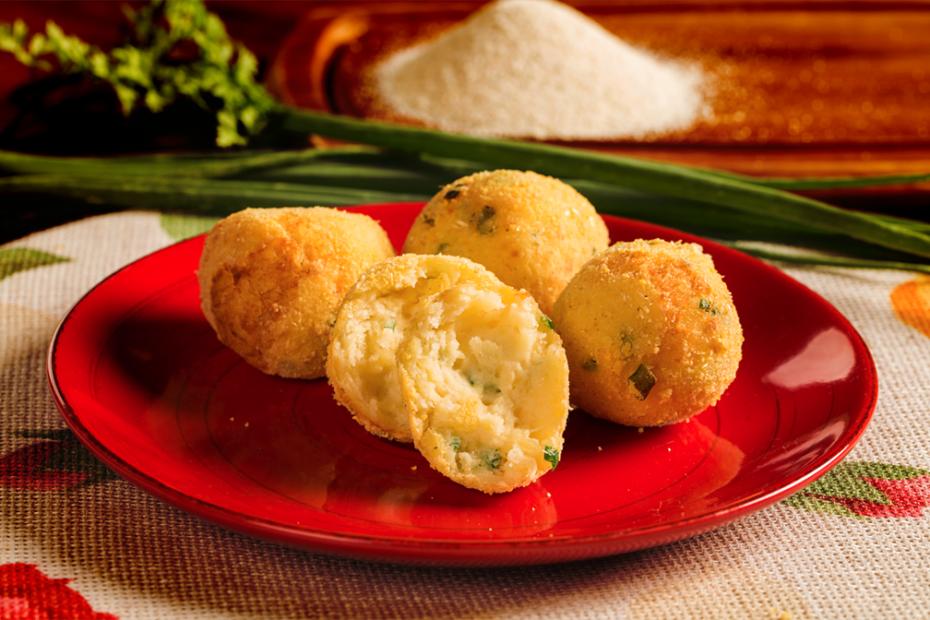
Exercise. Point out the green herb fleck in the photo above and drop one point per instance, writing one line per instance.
(485, 224)
(442, 248)
(452, 193)
(590, 364)
(428, 220)
(456, 443)
(551, 455)
(642, 381)
(707, 307)
(626, 345)
(490, 388)
(492, 459)
(391, 325)
(545, 321)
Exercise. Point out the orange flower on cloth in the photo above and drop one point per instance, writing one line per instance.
(26, 593)
(911, 303)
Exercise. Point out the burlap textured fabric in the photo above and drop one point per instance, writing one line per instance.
(104, 549)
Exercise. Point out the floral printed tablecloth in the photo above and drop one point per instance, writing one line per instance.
(76, 541)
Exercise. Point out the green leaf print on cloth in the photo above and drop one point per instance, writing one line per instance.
(864, 490)
(14, 260)
(180, 227)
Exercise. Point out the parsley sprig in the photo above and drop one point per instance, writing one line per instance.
(178, 49)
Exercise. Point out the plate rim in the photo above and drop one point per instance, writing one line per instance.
(461, 553)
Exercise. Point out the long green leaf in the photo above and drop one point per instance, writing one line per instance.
(822, 183)
(664, 179)
(720, 222)
(208, 196)
(827, 261)
(176, 164)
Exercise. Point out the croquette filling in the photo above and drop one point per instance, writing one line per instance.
(371, 344)
(493, 405)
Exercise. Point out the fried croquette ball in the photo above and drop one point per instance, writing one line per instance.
(271, 281)
(651, 333)
(534, 232)
(371, 322)
(485, 382)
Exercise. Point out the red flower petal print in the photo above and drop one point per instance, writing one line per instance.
(909, 497)
(874, 490)
(60, 462)
(26, 593)
(25, 469)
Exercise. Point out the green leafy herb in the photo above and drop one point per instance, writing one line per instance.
(551, 455)
(642, 381)
(391, 325)
(490, 388)
(220, 75)
(456, 443)
(485, 225)
(546, 322)
(492, 459)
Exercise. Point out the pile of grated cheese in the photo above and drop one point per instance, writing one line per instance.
(539, 69)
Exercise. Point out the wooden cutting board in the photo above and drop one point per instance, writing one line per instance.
(801, 89)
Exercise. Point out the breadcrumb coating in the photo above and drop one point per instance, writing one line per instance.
(651, 333)
(534, 232)
(271, 281)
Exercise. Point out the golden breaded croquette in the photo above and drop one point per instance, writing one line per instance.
(272, 279)
(370, 324)
(485, 382)
(651, 333)
(534, 232)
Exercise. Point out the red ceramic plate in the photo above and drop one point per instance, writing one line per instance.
(141, 379)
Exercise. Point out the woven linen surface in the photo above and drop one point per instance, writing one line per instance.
(104, 549)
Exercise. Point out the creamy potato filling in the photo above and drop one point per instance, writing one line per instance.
(487, 387)
(371, 325)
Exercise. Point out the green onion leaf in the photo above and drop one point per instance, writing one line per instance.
(551, 455)
(665, 179)
(492, 459)
(642, 381)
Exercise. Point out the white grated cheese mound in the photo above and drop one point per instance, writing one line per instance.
(539, 69)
